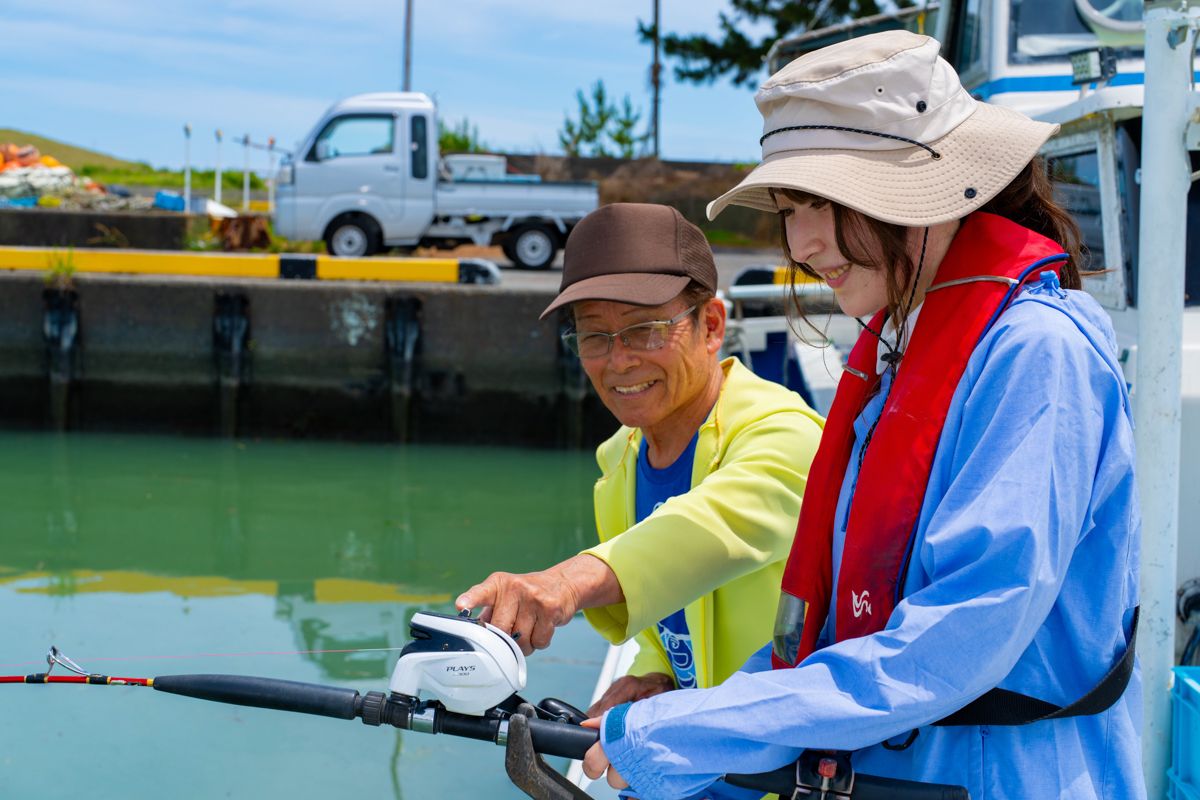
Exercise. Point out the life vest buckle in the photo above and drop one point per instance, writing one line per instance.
(823, 775)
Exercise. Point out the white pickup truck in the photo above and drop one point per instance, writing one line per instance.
(368, 176)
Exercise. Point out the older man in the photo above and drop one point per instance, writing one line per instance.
(699, 490)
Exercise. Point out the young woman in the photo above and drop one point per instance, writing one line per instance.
(960, 602)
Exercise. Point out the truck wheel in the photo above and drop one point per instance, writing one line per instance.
(353, 236)
(532, 247)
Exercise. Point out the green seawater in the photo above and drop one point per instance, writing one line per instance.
(146, 556)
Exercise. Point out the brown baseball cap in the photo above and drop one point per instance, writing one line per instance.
(638, 253)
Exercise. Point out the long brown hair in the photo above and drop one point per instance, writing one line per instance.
(1028, 200)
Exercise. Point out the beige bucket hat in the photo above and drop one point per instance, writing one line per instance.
(881, 124)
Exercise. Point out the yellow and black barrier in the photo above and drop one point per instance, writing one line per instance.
(290, 266)
(767, 274)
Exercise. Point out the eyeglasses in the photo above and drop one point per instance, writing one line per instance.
(642, 336)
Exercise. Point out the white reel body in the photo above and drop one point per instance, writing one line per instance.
(466, 664)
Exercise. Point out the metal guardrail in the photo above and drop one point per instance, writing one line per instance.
(769, 282)
(776, 291)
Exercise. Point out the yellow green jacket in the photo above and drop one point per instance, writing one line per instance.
(718, 551)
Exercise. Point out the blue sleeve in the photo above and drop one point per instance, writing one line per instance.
(1019, 454)
(760, 661)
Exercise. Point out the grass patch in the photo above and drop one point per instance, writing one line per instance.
(203, 235)
(146, 175)
(109, 169)
(718, 237)
(60, 270)
(70, 155)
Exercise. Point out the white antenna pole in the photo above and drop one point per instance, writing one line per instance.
(1166, 178)
(187, 168)
(217, 190)
(246, 172)
(271, 175)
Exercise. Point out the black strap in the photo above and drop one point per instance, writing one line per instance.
(936, 155)
(1002, 707)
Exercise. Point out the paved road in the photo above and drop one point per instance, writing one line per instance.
(729, 264)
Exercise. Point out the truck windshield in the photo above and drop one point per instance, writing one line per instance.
(1050, 30)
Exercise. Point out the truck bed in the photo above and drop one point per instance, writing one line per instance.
(475, 198)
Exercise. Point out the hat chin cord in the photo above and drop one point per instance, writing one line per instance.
(894, 354)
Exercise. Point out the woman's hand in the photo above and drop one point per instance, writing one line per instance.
(630, 688)
(595, 762)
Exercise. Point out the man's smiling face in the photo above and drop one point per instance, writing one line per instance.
(649, 389)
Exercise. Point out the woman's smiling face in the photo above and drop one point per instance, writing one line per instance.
(812, 240)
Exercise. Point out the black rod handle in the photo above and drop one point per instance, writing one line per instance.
(549, 738)
(468, 726)
(561, 738)
(245, 690)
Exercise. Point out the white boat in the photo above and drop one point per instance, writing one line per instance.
(1018, 53)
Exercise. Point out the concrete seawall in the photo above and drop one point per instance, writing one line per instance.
(265, 357)
(51, 227)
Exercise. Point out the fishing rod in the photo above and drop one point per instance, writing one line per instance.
(57, 658)
(471, 673)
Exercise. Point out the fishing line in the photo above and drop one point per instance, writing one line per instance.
(119, 659)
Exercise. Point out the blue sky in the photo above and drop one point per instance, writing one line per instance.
(123, 76)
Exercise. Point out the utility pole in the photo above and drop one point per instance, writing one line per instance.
(407, 84)
(655, 78)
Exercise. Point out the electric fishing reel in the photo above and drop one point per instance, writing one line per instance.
(465, 663)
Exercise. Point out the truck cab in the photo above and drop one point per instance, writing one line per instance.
(364, 177)
(368, 176)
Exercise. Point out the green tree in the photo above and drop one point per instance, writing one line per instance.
(622, 133)
(462, 138)
(601, 128)
(586, 135)
(738, 54)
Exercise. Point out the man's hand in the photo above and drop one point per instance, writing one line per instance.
(630, 688)
(595, 762)
(530, 606)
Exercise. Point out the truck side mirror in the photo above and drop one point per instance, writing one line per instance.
(323, 150)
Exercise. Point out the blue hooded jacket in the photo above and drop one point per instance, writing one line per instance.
(1024, 576)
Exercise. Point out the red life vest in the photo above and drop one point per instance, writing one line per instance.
(991, 256)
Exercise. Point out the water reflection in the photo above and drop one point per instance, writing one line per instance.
(151, 556)
(349, 540)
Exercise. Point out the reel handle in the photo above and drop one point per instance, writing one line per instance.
(563, 710)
